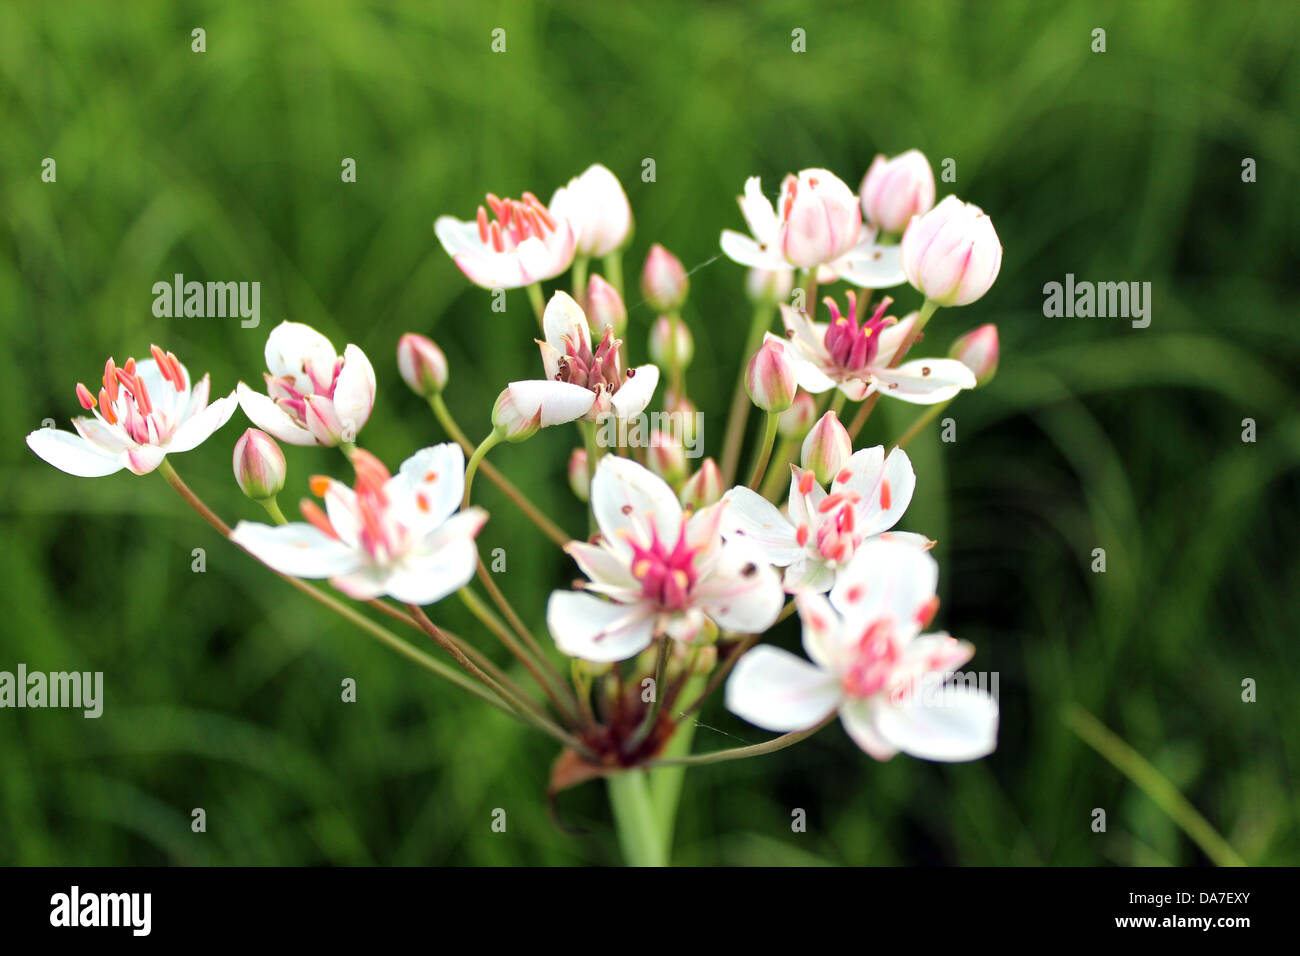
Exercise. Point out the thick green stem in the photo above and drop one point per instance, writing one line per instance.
(765, 450)
(538, 300)
(580, 279)
(614, 271)
(493, 438)
(634, 818)
(666, 782)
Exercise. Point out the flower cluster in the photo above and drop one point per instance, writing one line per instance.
(685, 569)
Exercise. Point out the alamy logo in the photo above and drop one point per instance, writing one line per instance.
(74, 908)
(210, 300)
(75, 689)
(1124, 300)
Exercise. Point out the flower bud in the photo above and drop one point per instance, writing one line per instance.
(770, 377)
(259, 465)
(579, 477)
(978, 351)
(666, 456)
(826, 449)
(895, 190)
(661, 343)
(704, 487)
(952, 253)
(795, 421)
(820, 218)
(769, 286)
(422, 365)
(663, 280)
(516, 419)
(605, 309)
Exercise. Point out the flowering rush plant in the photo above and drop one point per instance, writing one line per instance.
(687, 564)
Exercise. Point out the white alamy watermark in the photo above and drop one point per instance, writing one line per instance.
(78, 690)
(653, 430)
(208, 300)
(74, 908)
(1103, 300)
(935, 689)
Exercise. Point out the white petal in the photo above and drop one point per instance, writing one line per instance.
(597, 630)
(428, 487)
(753, 520)
(758, 212)
(635, 393)
(742, 249)
(194, 431)
(962, 724)
(292, 345)
(564, 320)
(141, 459)
(885, 486)
(430, 577)
(809, 573)
(924, 381)
(859, 719)
(456, 235)
(354, 392)
(299, 550)
(559, 402)
(821, 630)
(108, 438)
(777, 691)
(876, 267)
(629, 498)
(72, 454)
(271, 418)
(742, 593)
(608, 572)
(886, 580)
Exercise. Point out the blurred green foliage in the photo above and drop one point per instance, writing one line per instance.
(223, 687)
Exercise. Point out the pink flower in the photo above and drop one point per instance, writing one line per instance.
(259, 465)
(871, 663)
(952, 254)
(978, 351)
(655, 570)
(314, 395)
(769, 377)
(421, 364)
(597, 207)
(817, 224)
(855, 357)
(895, 190)
(145, 411)
(397, 535)
(523, 244)
(664, 282)
(823, 530)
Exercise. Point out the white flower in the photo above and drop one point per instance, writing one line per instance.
(596, 205)
(952, 254)
(399, 535)
(871, 662)
(817, 224)
(895, 190)
(656, 569)
(856, 358)
(523, 244)
(314, 395)
(572, 367)
(825, 530)
(145, 411)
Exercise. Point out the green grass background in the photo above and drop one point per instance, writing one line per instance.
(223, 687)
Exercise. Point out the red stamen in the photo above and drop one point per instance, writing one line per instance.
(312, 512)
(106, 407)
(84, 397)
(482, 225)
(885, 496)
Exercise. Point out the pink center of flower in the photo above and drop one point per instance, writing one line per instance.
(873, 661)
(853, 347)
(124, 400)
(287, 393)
(837, 534)
(599, 371)
(666, 576)
(514, 221)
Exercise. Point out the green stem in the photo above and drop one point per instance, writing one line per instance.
(614, 271)
(273, 510)
(666, 782)
(580, 279)
(538, 300)
(739, 414)
(765, 451)
(493, 438)
(778, 472)
(652, 712)
(739, 753)
(634, 818)
(1163, 793)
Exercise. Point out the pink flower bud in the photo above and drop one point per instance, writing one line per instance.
(826, 449)
(770, 377)
(952, 253)
(324, 423)
(605, 308)
(579, 477)
(663, 280)
(666, 457)
(978, 351)
(798, 418)
(820, 218)
(422, 365)
(259, 465)
(769, 286)
(704, 487)
(895, 190)
(516, 418)
(662, 346)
